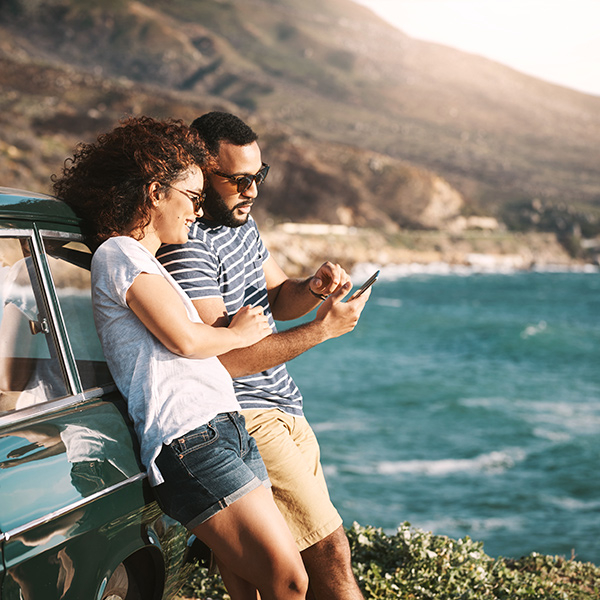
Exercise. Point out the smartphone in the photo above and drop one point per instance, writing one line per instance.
(366, 285)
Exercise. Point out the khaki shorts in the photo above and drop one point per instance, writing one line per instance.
(291, 454)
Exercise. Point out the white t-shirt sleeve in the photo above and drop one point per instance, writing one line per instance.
(123, 259)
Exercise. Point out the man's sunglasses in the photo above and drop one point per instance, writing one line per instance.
(243, 182)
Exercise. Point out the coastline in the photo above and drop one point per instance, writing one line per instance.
(300, 248)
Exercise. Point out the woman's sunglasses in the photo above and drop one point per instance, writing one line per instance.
(243, 182)
(197, 198)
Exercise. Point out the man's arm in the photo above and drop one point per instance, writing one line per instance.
(333, 319)
(293, 298)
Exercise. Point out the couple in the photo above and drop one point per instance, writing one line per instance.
(140, 190)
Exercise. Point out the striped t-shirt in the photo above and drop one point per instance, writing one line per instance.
(225, 262)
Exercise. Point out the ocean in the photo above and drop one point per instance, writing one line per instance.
(467, 404)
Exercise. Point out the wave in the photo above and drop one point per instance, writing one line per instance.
(532, 330)
(330, 471)
(571, 504)
(580, 418)
(389, 302)
(336, 426)
(553, 436)
(492, 462)
(454, 526)
(487, 265)
(568, 413)
(493, 403)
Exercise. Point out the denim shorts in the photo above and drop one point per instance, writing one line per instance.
(207, 469)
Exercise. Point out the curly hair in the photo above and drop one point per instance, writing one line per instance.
(106, 183)
(216, 127)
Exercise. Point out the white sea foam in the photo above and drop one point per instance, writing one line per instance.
(582, 417)
(338, 426)
(553, 436)
(482, 402)
(390, 302)
(492, 462)
(562, 409)
(449, 525)
(587, 268)
(573, 504)
(532, 330)
(330, 470)
(393, 272)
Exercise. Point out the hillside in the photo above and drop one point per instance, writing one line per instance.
(362, 124)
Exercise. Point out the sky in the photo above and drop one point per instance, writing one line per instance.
(555, 40)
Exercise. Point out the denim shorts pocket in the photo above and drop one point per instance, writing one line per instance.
(195, 440)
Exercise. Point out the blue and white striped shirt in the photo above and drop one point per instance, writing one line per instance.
(225, 262)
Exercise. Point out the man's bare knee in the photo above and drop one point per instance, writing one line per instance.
(330, 557)
(329, 567)
(334, 547)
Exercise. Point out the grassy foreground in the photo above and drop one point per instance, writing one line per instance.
(417, 565)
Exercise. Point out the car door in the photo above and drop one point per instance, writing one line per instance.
(77, 517)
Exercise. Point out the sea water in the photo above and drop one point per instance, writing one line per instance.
(468, 405)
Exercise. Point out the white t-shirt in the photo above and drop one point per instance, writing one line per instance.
(167, 395)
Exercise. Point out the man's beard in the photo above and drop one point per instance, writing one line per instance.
(217, 211)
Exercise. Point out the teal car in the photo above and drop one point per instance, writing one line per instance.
(77, 515)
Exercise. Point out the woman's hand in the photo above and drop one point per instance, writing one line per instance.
(251, 325)
(158, 306)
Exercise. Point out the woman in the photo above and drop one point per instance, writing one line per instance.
(136, 188)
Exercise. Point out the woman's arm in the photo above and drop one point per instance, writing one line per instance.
(160, 309)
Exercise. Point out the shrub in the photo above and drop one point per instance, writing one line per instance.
(418, 565)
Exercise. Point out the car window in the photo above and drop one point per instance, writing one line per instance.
(69, 262)
(30, 371)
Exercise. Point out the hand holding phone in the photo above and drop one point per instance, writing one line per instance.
(366, 285)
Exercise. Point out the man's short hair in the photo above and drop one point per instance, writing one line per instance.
(216, 127)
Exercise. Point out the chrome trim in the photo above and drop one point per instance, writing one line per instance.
(76, 237)
(44, 408)
(60, 339)
(5, 537)
(98, 392)
(11, 232)
(60, 335)
(25, 194)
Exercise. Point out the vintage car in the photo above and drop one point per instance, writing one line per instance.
(77, 516)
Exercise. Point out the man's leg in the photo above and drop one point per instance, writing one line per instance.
(329, 567)
(290, 452)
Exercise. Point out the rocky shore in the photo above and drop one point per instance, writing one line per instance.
(301, 248)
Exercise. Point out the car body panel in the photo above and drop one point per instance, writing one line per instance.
(75, 501)
(35, 207)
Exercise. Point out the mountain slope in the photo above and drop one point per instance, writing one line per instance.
(319, 78)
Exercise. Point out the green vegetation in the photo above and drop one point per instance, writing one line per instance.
(417, 565)
(569, 221)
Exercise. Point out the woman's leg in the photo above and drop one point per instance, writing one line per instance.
(252, 541)
(238, 588)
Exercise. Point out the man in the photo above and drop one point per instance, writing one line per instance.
(225, 266)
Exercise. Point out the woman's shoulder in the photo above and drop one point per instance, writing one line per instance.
(123, 254)
(122, 246)
(119, 242)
